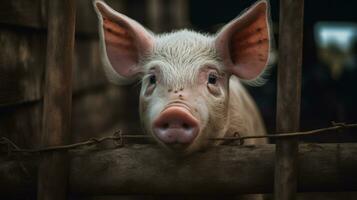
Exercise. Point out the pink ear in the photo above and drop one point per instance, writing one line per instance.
(243, 44)
(124, 41)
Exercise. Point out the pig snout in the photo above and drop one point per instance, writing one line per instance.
(176, 125)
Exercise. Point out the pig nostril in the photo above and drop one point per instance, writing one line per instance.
(165, 126)
(186, 126)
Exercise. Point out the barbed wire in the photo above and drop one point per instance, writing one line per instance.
(118, 139)
(335, 126)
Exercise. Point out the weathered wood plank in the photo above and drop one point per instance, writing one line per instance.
(23, 50)
(21, 66)
(22, 124)
(24, 13)
(105, 110)
(288, 97)
(33, 14)
(88, 69)
(147, 169)
(22, 61)
(57, 102)
(94, 112)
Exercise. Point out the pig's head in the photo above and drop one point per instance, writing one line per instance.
(185, 75)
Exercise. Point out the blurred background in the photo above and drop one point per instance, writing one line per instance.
(329, 71)
(328, 81)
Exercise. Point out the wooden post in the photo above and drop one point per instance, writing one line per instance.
(288, 97)
(53, 168)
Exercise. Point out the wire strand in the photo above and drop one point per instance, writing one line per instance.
(118, 139)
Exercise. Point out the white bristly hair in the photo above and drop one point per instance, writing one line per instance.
(180, 54)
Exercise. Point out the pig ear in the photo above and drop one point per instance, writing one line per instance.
(244, 43)
(123, 43)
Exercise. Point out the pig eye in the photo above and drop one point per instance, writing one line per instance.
(212, 79)
(152, 79)
(151, 86)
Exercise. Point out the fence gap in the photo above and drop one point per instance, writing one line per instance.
(53, 167)
(288, 97)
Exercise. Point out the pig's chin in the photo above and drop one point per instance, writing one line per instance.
(183, 149)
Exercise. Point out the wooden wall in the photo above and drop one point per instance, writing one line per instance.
(98, 106)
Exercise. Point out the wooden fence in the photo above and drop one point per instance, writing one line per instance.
(144, 169)
(135, 168)
(22, 69)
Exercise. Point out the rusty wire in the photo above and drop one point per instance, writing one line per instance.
(118, 139)
(335, 126)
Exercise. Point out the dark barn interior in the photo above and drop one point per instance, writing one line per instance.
(99, 108)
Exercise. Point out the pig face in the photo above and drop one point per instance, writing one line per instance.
(184, 94)
(185, 75)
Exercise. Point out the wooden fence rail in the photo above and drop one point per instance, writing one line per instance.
(148, 169)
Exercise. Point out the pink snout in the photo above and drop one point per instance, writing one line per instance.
(176, 125)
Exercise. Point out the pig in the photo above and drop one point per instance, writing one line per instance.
(191, 83)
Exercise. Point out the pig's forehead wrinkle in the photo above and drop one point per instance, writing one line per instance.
(184, 47)
(183, 53)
